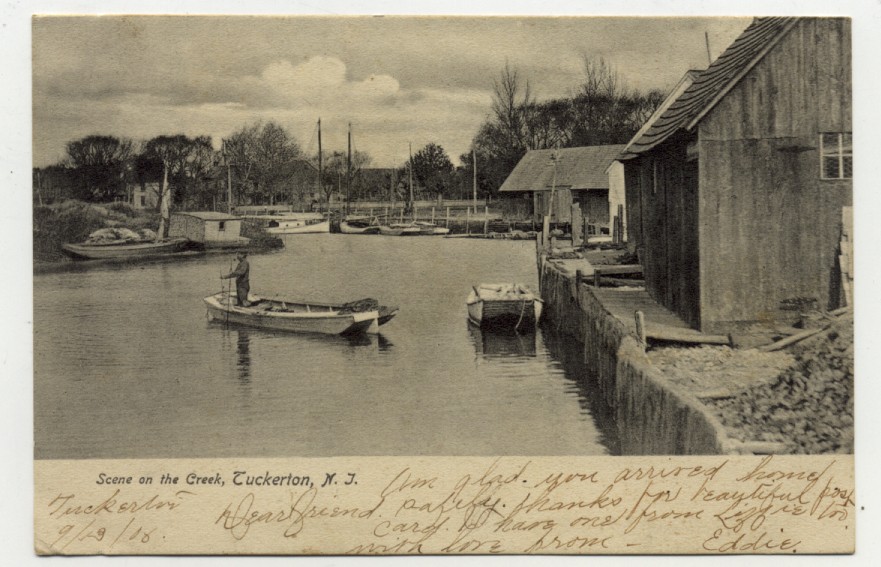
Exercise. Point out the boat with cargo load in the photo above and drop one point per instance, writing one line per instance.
(363, 316)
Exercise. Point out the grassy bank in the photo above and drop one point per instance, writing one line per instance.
(74, 221)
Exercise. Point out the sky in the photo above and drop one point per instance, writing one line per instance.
(398, 80)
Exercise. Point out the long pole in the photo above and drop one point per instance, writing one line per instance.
(411, 175)
(228, 184)
(349, 169)
(474, 163)
(320, 166)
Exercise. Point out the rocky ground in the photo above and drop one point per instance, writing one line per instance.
(801, 397)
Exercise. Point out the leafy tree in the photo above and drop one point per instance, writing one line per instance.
(261, 157)
(100, 166)
(601, 111)
(433, 170)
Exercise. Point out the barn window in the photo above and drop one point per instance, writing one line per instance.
(836, 155)
(221, 226)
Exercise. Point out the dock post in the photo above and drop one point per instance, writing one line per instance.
(385, 214)
(468, 220)
(485, 221)
(448, 217)
(432, 215)
(402, 214)
(596, 277)
(577, 222)
(546, 231)
(640, 328)
(579, 278)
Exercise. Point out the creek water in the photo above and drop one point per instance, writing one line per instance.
(126, 364)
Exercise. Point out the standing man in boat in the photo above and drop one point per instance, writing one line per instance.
(241, 274)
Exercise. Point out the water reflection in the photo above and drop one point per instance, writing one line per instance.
(243, 352)
(500, 343)
(570, 353)
(385, 345)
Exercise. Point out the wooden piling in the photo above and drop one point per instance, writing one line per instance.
(468, 220)
(485, 221)
(639, 317)
(448, 217)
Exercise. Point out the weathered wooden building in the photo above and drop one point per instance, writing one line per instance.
(573, 175)
(210, 229)
(735, 193)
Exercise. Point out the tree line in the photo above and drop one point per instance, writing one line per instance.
(260, 163)
(602, 110)
(263, 163)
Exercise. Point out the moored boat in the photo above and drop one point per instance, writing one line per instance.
(124, 249)
(291, 316)
(358, 226)
(400, 229)
(292, 223)
(504, 306)
(427, 228)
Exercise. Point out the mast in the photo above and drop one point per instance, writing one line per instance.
(320, 166)
(410, 171)
(474, 164)
(349, 168)
(226, 158)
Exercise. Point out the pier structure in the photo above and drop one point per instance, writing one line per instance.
(653, 414)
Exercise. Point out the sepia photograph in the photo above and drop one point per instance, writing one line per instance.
(421, 236)
(446, 284)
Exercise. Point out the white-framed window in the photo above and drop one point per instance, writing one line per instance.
(836, 155)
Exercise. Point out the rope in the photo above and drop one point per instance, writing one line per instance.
(522, 311)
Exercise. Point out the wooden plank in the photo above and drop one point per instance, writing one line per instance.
(783, 343)
(679, 335)
(618, 270)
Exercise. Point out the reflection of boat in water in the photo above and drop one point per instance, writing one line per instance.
(504, 306)
(292, 223)
(491, 343)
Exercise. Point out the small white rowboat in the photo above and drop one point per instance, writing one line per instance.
(298, 317)
(504, 306)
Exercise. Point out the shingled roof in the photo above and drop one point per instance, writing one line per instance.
(715, 81)
(577, 168)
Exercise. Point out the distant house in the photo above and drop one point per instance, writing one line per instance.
(212, 230)
(735, 192)
(574, 175)
(145, 194)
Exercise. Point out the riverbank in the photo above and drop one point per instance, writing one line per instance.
(73, 221)
(679, 399)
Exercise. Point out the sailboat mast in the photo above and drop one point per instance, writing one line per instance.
(474, 167)
(410, 171)
(320, 167)
(349, 169)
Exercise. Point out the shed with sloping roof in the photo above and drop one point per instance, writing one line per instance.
(735, 191)
(558, 178)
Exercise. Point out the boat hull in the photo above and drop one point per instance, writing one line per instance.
(132, 250)
(323, 320)
(515, 313)
(400, 230)
(298, 227)
(347, 228)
